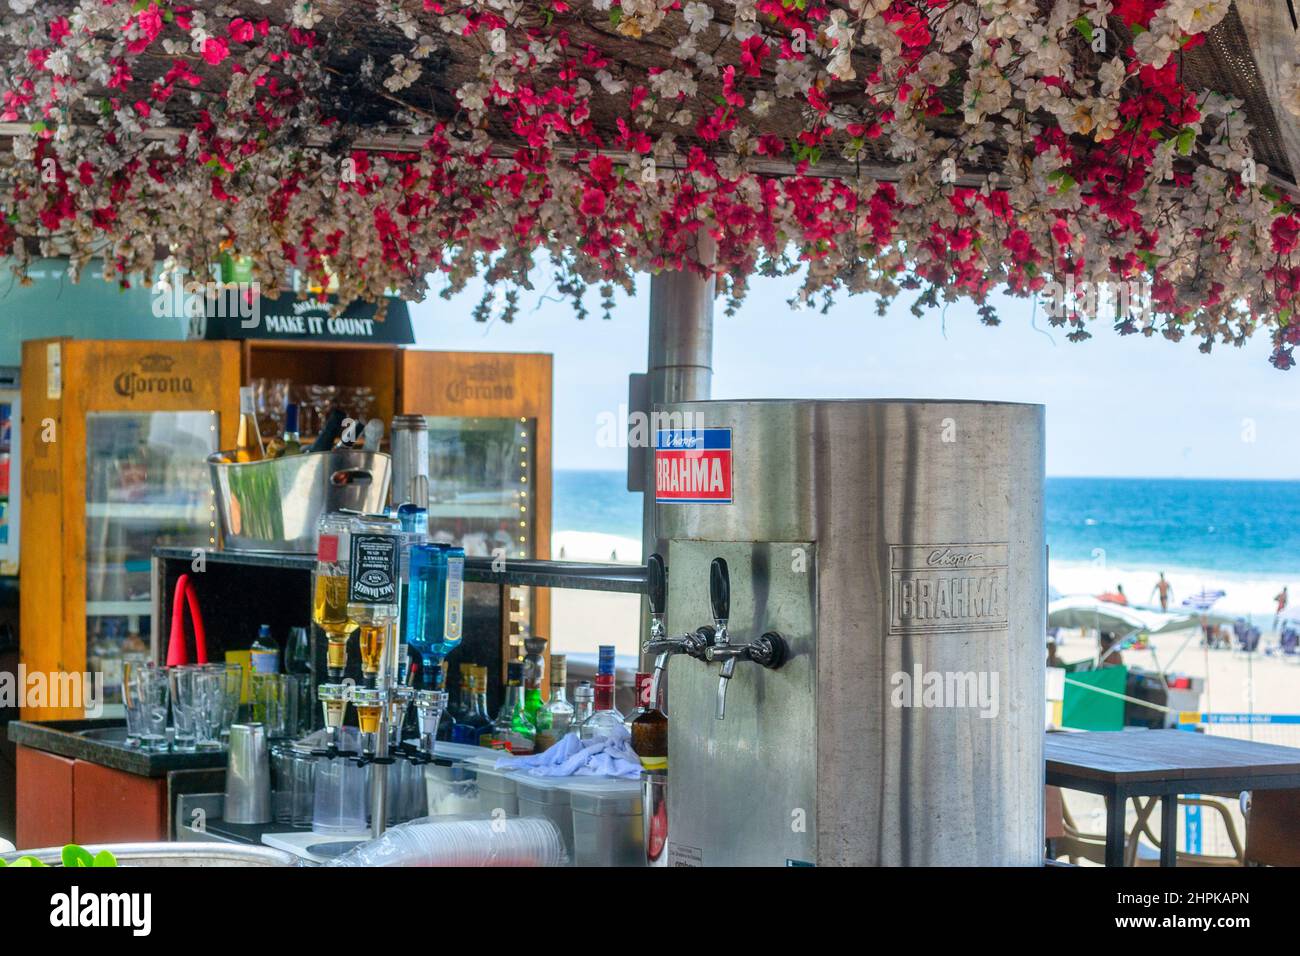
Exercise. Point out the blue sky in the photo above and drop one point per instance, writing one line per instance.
(1115, 406)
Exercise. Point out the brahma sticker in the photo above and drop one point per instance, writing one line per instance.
(693, 466)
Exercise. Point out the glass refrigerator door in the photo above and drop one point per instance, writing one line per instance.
(480, 491)
(146, 484)
(10, 494)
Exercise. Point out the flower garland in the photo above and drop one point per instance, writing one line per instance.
(951, 148)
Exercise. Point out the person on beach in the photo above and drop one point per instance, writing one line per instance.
(1123, 598)
(1110, 650)
(1165, 590)
(1281, 599)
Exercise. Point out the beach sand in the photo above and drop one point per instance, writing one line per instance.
(583, 620)
(1235, 683)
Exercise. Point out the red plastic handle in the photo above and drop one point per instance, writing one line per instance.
(177, 650)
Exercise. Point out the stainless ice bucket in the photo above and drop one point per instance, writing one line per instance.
(273, 505)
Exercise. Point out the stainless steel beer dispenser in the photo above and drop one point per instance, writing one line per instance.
(854, 631)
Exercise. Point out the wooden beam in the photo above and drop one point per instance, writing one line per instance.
(1271, 34)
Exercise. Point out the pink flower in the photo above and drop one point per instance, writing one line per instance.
(150, 22)
(1284, 231)
(593, 202)
(240, 30)
(601, 166)
(214, 50)
(752, 52)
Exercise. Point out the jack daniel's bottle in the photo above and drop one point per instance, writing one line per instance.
(373, 583)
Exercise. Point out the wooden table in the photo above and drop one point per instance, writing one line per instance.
(1164, 763)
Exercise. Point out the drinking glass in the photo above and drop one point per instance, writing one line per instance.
(282, 783)
(270, 401)
(147, 692)
(319, 399)
(358, 401)
(215, 687)
(234, 689)
(185, 691)
(131, 703)
(304, 788)
(277, 703)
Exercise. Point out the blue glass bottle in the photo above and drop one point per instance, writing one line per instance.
(415, 530)
(434, 608)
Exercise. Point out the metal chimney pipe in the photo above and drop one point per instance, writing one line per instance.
(679, 368)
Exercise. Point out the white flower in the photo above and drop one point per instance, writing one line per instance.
(1197, 16)
(698, 16)
(1112, 74)
(305, 15)
(1154, 46)
(609, 84)
(405, 72)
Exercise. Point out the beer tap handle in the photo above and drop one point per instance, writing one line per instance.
(720, 596)
(657, 579)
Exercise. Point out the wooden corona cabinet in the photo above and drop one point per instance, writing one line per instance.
(114, 437)
(489, 417)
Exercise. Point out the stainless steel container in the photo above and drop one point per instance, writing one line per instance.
(410, 444)
(898, 548)
(248, 776)
(273, 505)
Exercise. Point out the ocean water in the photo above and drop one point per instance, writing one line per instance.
(1239, 536)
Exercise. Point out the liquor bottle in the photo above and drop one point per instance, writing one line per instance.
(434, 608)
(415, 530)
(462, 705)
(512, 731)
(650, 734)
(584, 704)
(264, 655)
(642, 685)
(329, 432)
(534, 669)
(292, 444)
(469, 725)
(248, 441)
(606, 720)
(482, 716)
(556, 716)
(373, 586)
(330, 589)
(297, 654)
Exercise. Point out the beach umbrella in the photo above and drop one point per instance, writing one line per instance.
(1202, 600)
(1087, 611)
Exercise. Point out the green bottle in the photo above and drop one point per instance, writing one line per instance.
(512, 731)
(534, 669)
